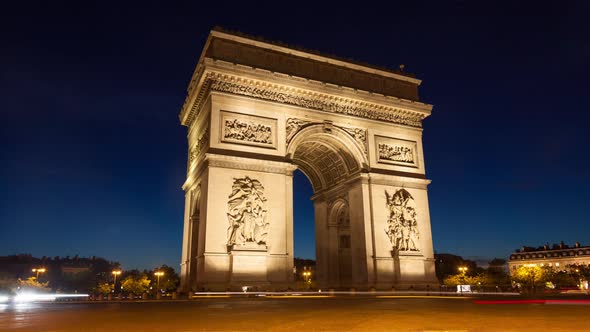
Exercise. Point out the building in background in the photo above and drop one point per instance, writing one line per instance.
(558, 256)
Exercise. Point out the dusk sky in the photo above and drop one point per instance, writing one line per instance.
(93, 155)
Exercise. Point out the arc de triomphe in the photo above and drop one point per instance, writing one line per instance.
(255, 112)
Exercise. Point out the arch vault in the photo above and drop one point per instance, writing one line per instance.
(255, 112)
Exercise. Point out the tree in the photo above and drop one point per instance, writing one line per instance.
(169, 281)
(104, 288)
(8, 283)
(580, 272)
(448, 265)
(562, 279)
(461, 279)
(531, 276)
(32, 284)
(136, 284)
(495, 275)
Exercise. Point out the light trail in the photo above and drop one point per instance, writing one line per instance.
(33, 297)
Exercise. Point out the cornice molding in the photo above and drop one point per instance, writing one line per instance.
(264, 90)
(398, 181)
(214, 160)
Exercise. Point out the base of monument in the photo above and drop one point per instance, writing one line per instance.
(250, 286)
(416, 285)
(248, 266)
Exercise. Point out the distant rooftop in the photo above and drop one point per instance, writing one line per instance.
(546, 247)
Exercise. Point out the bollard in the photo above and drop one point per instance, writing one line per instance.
(158, 296)
(110, 297)
(144, 296)
(174, 295)
(99, 297)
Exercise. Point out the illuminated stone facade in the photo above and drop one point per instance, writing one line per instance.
(558, 257)
(255, 112)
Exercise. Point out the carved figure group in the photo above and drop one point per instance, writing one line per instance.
(293, 126)
(402, 226)
(247, 213)
(247, 131)
(201, 143)
(396, 153)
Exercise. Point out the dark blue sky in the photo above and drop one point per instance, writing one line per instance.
(93, 155)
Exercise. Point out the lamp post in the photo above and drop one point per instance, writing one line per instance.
(158, 274)
(40, 270)
(307, 277)
(115, 274)
(463, 270)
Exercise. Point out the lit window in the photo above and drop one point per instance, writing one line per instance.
(557, 264)
(542, 264)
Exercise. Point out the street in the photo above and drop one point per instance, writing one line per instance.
(344, 313)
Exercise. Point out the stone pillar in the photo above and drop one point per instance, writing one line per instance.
(409, 265)
(246, 224)
(184, 266)
(322, 243)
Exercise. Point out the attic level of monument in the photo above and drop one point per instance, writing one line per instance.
(306, 53)
(238, 65)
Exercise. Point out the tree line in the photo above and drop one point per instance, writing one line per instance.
(80, 275)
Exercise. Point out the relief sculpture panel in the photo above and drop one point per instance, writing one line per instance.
(359, 135)
(293, 126)
(199, 147)
(402, 224)
(248, 129)
(396, 151)
(247, 214)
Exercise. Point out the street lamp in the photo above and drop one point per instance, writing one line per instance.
(159, 274)
(40, 270)
(307, 276)
(115, 274)
(463, 270)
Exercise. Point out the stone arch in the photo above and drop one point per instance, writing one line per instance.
(336, 209)
(339, 218)
(326, 154)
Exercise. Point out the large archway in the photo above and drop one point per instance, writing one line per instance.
(256, 112)
(331, 159)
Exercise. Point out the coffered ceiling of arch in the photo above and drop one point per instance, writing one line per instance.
(324, 164)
